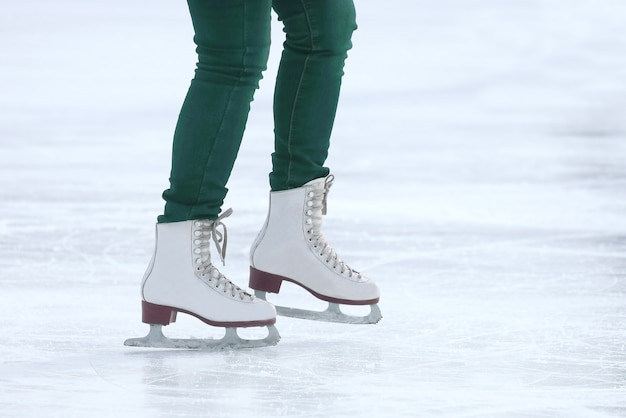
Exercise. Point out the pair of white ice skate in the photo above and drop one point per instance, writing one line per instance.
(182, 278)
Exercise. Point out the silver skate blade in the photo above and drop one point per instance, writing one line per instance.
(231, 340)
(331, 314)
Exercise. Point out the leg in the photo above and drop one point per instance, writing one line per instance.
(318, 36)
(291, 246)
(232, 39)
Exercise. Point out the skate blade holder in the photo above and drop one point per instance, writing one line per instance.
(231, 340)
(332, 313)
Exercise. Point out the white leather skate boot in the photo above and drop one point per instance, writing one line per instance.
(182, 278)
(291, 247)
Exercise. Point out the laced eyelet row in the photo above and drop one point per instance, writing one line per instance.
(315, 207)
(203, 233)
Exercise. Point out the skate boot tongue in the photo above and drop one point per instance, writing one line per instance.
(328, 182)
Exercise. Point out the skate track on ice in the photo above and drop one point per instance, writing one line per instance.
(480, 163)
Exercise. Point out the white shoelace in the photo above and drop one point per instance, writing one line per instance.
(206, 231)
(316, 207)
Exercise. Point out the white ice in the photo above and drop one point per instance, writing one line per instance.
(479, 154)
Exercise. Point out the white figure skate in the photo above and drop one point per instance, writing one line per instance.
(291, 247)
(181, 278)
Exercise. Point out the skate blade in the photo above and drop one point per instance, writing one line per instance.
(332, 313)
(156, 339)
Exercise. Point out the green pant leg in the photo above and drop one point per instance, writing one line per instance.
(318, 36)
(232, 39)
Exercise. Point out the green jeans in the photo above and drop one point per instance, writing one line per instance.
(233, 40)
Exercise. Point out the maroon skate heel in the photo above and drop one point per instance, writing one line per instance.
(265, 282)
(156, 314)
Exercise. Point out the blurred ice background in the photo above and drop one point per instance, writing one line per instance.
(479, 154)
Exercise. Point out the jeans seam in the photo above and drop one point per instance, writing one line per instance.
(226, 111)
(297, 95)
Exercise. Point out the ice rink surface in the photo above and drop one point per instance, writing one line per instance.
(479, 155)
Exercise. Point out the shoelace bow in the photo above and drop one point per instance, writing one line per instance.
(220, 239)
